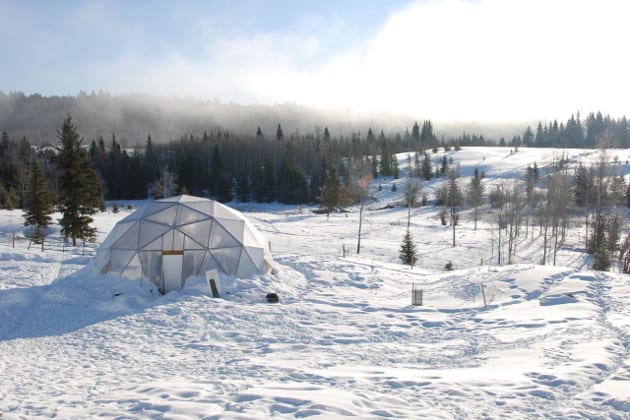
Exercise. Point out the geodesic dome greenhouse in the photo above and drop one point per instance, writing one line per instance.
(169, 240)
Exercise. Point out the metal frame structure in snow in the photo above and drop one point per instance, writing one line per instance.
(208, 235)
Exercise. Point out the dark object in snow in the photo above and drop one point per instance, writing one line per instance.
(213, 288)
(272, 298)
(448, 266)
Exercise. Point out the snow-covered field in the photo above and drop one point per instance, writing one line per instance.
(551, 342)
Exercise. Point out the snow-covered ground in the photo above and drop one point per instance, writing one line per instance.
(550, 342)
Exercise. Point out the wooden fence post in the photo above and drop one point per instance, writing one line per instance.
(14, 240)
(483, 294)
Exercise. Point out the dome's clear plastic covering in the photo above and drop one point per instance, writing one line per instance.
(169, 240)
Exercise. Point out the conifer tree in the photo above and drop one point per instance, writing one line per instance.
(216, 171)
(326, 134)
(444, 166)
(291, 185)
(150, 162)
(427, 167)
(415, 134)
(79, 185)
(37, 206)
(475, 194)
(453, 199)
(242, 189)
(279, 133)
(224, 188)
(331, 192)
(407, 252)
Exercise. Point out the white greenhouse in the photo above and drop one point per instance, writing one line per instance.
(169, 240)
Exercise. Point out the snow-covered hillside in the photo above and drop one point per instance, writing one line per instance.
(549, 342)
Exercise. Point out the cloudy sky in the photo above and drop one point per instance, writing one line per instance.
(485, 60)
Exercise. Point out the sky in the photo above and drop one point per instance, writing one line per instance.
(446, 60)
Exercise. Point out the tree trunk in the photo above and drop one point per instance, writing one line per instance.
(499, 249)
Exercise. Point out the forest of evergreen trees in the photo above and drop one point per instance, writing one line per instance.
(260, 167)
(265, 167)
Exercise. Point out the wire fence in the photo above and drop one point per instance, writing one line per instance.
(50, 243)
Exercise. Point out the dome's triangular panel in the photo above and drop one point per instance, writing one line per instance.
(246, 266)
(250, 239)
(190, 243)
(134, 268)
(235, 227)
(154, 207)
(199, 232)
(165, 216)
(130, 238)
(209, 263)
(228, 258)
(119, 259)
(155, 245)
(151, 263)
(149, 231)
(101, 259)
(224, 212)
(178, 239)
(136, 215)
(204, 207)
(192, 262)
(256, 254)
(173, 240)
(187, 215)
(119, 230)
(191, 199)
(221, 238)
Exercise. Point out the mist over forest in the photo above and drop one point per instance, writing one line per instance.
(133, 117)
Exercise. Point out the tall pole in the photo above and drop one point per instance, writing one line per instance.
(360, 222)
(364, 183)
(408, 212)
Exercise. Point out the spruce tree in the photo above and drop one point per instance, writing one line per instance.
(454, 198)
(242, 187)
(216, 171)
(37, 204)
(79, 185)
(415, 135)
(601, 260)
(291, 185)
(475, 194)
(279, 133)
(407, 253)
(427, 167)
(326, 134)
(331, 192)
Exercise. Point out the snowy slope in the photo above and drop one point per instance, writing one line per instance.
(344, 341)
